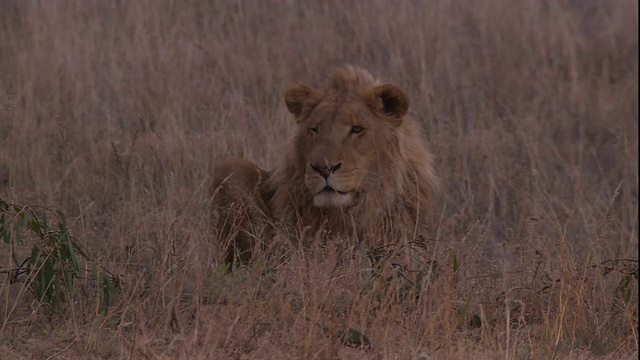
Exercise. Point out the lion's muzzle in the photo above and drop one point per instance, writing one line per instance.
(327, 184)
(329, 197)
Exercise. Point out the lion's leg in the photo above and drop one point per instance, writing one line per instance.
(240, 213)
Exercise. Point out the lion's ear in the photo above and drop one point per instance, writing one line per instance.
(391, 100)
(296, 96)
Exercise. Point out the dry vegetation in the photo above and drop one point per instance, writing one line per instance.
(115, 112)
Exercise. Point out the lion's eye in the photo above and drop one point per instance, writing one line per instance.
(356, 129)
(313, 130)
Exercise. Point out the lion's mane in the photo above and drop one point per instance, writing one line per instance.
(397, 187)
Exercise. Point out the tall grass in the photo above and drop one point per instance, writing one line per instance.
(115, 112)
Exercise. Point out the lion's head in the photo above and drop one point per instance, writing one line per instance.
(357, 162)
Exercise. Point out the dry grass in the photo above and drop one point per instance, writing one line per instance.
(116, 111)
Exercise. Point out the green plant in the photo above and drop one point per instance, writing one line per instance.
(53, 270)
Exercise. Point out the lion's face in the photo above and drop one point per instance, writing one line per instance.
(344, 138)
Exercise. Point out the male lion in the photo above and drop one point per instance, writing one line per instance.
(357, 168)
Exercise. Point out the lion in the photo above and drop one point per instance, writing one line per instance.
(357, 168)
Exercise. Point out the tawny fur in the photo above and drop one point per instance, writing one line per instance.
(397, 187)
(385, 169)
(240, 207)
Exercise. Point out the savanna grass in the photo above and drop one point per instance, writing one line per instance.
(114, 113)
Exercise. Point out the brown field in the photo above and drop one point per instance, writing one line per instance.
(115, 113)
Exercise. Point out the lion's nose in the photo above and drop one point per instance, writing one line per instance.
(325, 171)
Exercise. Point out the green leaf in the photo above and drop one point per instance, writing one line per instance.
(108, 290)
(61, 216)
(43, 224)
(4, 229)
(476, 321)
(3, 205)
(49, 282)
(68, 245)
(78, 249)
(628, 295)
(35, 226)
(355, 338)
(14, 257)
(54, 290)
(35, 256)
(17, 232)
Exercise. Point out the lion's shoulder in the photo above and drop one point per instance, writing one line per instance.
(239, 172)
(236, 179)
(240, 210)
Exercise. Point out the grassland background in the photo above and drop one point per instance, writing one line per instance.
(115, 112)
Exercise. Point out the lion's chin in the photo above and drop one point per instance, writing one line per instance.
(333, 199)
